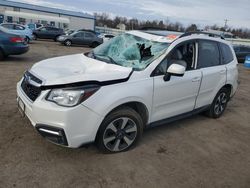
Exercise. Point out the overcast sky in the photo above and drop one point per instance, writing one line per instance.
(185, 11)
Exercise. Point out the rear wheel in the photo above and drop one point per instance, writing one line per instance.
(1, 55)
(27, 39)
(68, 43)
(94, 44)
(219, 104)
(119, 131)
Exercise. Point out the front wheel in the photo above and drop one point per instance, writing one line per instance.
(94, 44)
(34, 37)
(68, 43)
(119, 131)
(219, 104)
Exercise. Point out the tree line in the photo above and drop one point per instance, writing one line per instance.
(104, 19)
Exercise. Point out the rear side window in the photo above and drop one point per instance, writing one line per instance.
(208, 55)
(19, 27)
(89, 35)
(8, 26)
(226, 52)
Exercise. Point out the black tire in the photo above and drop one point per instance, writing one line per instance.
(56, 38)
(125, 137)
(67, 42)
(34, 36)
(94, 44)
(27, 39)
(219, 104)
(1, 55)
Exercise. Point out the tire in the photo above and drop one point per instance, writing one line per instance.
(119, 131)
(94, 44)
(219, 104)
(27, 39)
(1, 55)
(34, 37)
(56, 38)
(67, 43)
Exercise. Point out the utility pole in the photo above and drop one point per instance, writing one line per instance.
(225, 26)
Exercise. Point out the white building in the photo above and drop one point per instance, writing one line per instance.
(27, 13)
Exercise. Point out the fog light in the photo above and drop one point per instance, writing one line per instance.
(53, 134)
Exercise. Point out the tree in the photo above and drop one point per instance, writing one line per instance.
(192, 27)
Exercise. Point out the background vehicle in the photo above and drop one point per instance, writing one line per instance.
(136, 80)
(69, 31)
(241, 52)
(81, 38)
(106, 37)
(34, 26)
(47, 33)
(11, 44)
(19, 30)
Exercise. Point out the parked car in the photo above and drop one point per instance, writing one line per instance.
(11, 44)
(241, 52)
(106, 37)
(136, 80)
(19, 30)
(80, 38)
(48, 33)
(34, 26)
(69, 31)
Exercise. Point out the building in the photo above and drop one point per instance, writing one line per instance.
(27, 13)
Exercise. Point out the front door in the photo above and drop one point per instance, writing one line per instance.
(178, 95)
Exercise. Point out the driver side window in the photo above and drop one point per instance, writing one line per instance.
(183, 54)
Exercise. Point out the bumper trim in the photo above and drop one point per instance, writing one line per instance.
(52, 134)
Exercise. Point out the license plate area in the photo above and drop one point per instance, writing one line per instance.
(21, 107)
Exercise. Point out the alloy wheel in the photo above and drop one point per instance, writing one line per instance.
(120, 134)
(220, 103)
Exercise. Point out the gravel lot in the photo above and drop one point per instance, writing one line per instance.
(194, 152)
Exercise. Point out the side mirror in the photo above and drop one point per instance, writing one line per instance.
(176, 70)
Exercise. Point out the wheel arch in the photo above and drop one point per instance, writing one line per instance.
(229, 87)
(139, 107)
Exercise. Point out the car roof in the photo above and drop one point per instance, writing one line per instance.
(171, 36)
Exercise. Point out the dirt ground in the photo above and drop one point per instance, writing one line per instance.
(194, 152)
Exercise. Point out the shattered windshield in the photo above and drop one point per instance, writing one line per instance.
(129, 51)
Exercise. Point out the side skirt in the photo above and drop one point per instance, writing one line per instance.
(178, 117)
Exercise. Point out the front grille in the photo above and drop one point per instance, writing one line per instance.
(29, 89)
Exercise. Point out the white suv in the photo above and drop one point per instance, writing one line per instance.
(134, 81)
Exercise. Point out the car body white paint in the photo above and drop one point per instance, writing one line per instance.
(162, 99)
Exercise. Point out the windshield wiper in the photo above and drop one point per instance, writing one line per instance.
(110, 58)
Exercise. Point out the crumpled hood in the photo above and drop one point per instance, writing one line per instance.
(77, 68)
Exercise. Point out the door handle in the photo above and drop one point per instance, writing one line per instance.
(196, 79)
(222, 71)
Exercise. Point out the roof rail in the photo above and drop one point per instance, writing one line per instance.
(201, 33)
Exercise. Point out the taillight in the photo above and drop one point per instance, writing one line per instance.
(16, 39)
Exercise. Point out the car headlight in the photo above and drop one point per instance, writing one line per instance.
(70, 97)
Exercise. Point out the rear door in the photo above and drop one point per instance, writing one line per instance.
(214, 73)
(89, 38)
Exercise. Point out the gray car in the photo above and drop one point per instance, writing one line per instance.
(81, 38)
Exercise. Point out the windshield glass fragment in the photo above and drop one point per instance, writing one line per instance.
(129, 51)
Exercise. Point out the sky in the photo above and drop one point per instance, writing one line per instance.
(200, 12)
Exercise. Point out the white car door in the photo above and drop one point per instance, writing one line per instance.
(178, 95)
(214, 73)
